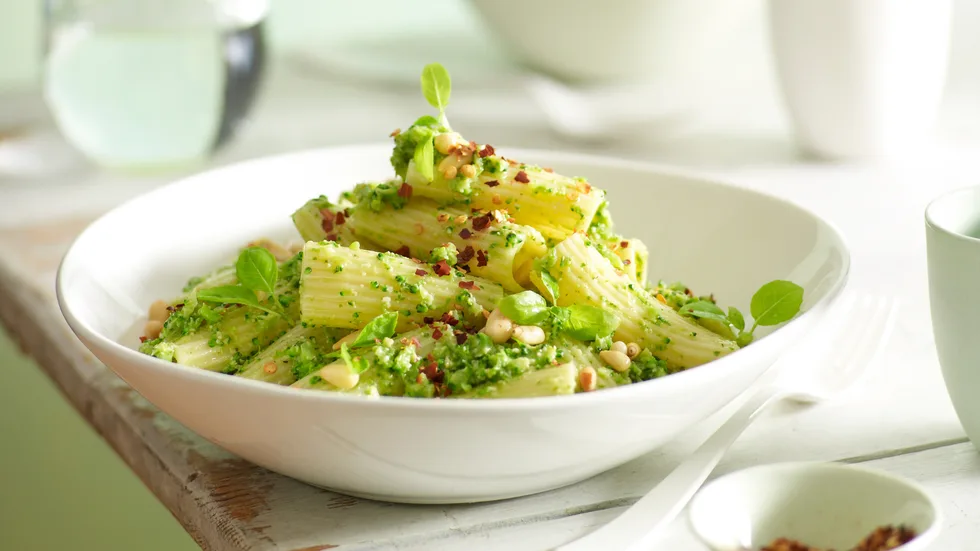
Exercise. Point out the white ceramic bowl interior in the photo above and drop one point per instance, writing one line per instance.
(717, 238)
(824, 505)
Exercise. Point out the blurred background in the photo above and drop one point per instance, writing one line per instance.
(109, 98)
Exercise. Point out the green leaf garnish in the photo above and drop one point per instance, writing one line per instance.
(233, 294)
(524, 308)
(357, 365)
(744, 339)
(551, 284)
(424, 159)
(257, 269)
(588, 323)
(735, 318)
(704, 310)
(426, 120)
(436, 86)
(379, 328)
(776, 302)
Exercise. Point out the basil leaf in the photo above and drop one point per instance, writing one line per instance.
(426, 120)
(736, 318)
(233, 294)
(357, 365)
(436, 85)
(526, 307)
(424, 159)
(744, 339)
(257, 269)
(379, 328)
(588, 323)
(703, 309)
(551, 284)
(776, 302)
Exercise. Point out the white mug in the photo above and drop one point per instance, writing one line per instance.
(953, 245)
(861, 79)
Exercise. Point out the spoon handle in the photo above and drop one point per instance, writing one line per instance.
(642, 522)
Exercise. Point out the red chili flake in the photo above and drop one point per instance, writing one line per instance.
(436, 334)
(461, 337)
(521, 177)
(432, 373)
(584, 187)
(474, 211)
(442, 268)
(331, 237)
(428, 320)
(465, 255)
(328, 220)
(688, 292)
(627, 261)
(469, 285)
(465, 268)
(341, 218)
(492, 183)
(403, 250)
(420, 378)
(465, 233)
(449, 319)
(430, 357)
(421, 273)
(405, 191)
(624, 244)
(486, 151)
(481, 258)
(481, 223)
(143, 339)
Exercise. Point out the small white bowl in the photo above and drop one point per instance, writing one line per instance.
(827, 505)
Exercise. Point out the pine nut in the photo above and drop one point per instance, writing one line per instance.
(618, 346)
(270, 367)
(152, 329)
(616, 360)
(632, 350)
(499, 327)
(529, 334)
(445, 142)
(450, 161)
(340, 376)
(158, 311)
(468, 171)
(449, 173)
(587, 378)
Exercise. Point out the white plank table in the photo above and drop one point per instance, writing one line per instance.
(900, 420)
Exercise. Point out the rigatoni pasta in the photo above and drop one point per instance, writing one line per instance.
(467, 275)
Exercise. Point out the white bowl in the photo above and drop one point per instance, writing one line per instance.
(615, 40)
(825, 505)
(717, 238)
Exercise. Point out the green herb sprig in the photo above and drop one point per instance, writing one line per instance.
(774, 303)
(579, 321)
(436, 87)
(257, 270)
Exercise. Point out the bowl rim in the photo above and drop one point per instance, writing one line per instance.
(625, 392)
(921, 539)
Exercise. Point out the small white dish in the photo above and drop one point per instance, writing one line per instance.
(825, 505)
(713, 236)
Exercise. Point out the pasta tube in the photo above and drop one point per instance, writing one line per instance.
(349, 286)
(486, 243)
(298, 346)
(585, 276)
(475, 176)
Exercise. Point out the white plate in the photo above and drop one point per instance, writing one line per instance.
(716, 237)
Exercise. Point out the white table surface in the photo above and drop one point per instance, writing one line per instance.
(900, 420)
